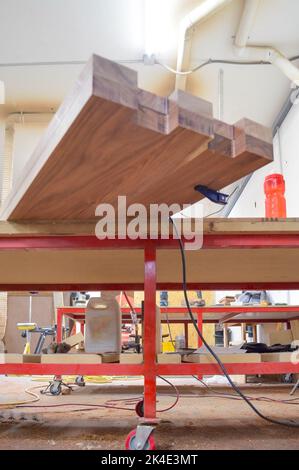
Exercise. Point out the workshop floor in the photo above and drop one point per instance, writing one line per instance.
(198, 422)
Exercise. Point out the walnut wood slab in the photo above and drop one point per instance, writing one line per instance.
(110, 138)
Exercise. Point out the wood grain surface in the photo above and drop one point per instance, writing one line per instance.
(110, 138)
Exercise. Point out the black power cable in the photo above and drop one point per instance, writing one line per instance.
(288, 423)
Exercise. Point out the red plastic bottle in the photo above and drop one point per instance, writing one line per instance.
(275, 200)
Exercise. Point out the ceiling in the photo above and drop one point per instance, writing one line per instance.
(71, 30)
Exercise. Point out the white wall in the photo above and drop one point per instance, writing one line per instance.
(286, 158)
(2, 145)
(26, 138)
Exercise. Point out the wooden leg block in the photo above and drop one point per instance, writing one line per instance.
(11, 359)
(71, 359)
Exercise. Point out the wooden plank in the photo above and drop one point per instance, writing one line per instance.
(126, 266)
(225, 358)
(71, 359)
(210, 227)
(110, 138)
(276, 357)
(11, 358)
(131, 358)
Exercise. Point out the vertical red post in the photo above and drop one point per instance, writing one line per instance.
(199, 324)
(149, 331)
(59, 325)
(186, 331)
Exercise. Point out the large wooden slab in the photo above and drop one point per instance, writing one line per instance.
(110, 138)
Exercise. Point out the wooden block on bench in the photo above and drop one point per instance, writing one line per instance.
(71, 359)
(171, 358)
(277, 357)
(11, 359)
(131, 358)
(225, 358)
(31, 358)
(74, 340)
(109, 358)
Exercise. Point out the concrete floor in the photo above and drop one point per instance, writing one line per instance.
(198, 422)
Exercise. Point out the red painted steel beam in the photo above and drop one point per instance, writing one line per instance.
(139, 287)
(72, 369)
(220, 241)
(265, 368)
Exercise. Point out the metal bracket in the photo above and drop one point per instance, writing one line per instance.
(143, 433)
(295, 388)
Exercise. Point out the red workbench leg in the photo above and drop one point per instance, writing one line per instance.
(59, 326)
(149, 333)
(186, 332)
(199, 324)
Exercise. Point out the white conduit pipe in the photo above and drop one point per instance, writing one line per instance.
(203, 11)
(261, 53)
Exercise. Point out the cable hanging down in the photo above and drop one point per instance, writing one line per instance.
(288, 423)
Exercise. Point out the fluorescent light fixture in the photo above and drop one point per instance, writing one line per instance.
(2, 93)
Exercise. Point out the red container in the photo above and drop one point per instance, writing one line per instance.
(275, 197)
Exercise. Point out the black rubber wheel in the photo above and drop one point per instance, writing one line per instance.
(139, 408)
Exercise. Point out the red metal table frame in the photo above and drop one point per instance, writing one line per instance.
(78, 314)
(149, 369)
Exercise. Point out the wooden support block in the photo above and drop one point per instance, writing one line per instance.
(225, 358)
(131, 358)
(71, 359)
(74, 340)
(109, 358)
(11, 359)
(169, 358)
(31, 358)
(276, 357)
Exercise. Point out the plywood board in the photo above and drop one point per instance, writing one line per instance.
(283, 337)
(111, 138)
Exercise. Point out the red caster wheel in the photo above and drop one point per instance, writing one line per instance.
(132, 443)
(139, 408)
